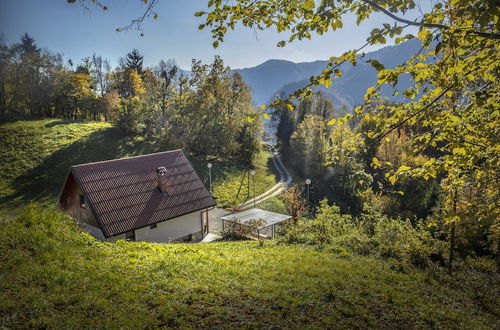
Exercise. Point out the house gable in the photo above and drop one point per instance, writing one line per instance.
(123, 194)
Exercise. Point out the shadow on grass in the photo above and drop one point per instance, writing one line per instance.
(44, 182)
(61, 122)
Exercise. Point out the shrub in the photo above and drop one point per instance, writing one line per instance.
(329, 223)
(371, 233)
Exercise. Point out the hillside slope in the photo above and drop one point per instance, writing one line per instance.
(55, 276)
(37, 155)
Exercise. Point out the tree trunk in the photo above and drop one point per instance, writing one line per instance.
(498, 256)
(452, 248)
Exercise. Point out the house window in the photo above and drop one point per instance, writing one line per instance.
(130, 235)
(82, 201)
(153, 226)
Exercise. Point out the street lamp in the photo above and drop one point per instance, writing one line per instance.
(308, 182)
(209, 165)
(252, 172)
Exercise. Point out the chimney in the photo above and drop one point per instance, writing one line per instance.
(162, 179)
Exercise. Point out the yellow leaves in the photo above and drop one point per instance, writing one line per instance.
(290, 107)
(251, 118)
(369, 93)
(459, 151)
(393, 179)
(376, 163)
(403, 168)
(263, 107)
(328, 82)
(425, 36)
(309, 5)
(337, 24)
(136, 84)
(331, 122)
(265, 115)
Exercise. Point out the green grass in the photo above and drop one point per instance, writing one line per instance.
(228, 181)
(37, 154)
(54, 276)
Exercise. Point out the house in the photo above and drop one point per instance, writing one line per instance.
(155, 198)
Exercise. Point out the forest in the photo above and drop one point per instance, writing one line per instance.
(204, 111)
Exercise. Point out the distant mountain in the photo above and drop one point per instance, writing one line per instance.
(267, 78)
(275, 77)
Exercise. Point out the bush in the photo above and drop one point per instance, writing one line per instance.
(370, 234)
(329, 223)
(399, 239)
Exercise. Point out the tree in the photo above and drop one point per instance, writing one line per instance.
(294, 202)
(454, 99)
(100, 73)
(28, 45)
(308, 144)
(318, 105)
(166, 76)
(216, 112)
(134, 60)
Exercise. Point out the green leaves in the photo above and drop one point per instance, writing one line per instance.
(309, 4)
(376, 64)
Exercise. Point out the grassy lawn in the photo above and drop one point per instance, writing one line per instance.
(37, 154)
(228, 181)
(54, 276)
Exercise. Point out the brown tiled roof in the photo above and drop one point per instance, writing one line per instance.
(124, 195)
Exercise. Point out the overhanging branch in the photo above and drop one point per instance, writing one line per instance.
(429, 25)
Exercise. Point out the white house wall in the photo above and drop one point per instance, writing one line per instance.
(116, 238)
(169, 230)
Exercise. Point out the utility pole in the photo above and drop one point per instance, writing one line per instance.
(308, 182)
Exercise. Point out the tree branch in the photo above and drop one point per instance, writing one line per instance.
(429, 25)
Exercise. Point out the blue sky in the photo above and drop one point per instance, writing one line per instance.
(75, 32)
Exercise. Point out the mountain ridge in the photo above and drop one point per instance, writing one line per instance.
(282, 77)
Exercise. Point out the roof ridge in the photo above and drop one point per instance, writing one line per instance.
(126, 158)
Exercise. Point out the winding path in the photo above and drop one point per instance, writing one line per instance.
(276, 190)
